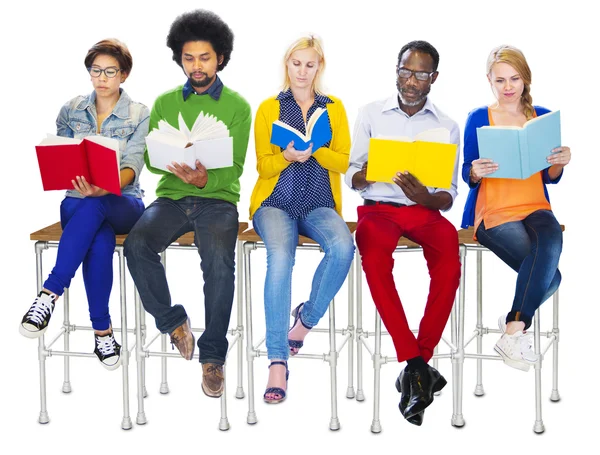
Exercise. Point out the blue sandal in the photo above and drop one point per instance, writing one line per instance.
(296, 344)
(277, 390)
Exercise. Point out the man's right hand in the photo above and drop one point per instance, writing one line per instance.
(359, 179)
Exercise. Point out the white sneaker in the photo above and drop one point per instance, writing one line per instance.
(35, 322)
(516, 350)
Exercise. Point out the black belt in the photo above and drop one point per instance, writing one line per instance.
(393, 204)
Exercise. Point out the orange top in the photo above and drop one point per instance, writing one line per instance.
(503, 200)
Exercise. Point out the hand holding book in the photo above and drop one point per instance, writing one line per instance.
(197, 177)
(291, 154)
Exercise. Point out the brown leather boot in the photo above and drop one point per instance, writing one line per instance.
(183, 338)
(212, 379)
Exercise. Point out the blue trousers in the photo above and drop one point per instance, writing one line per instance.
(532, 248)
(89, 228)
(280, 234)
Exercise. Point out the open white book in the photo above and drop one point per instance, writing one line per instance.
(208, 141)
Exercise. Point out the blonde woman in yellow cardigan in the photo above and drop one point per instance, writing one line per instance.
(299, 193)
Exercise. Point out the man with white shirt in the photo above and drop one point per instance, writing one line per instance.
(407, 208)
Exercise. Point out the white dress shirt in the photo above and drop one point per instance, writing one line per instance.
(385, 118)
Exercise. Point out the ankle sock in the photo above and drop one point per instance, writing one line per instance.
(417, 363)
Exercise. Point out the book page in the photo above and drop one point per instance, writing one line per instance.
(162, 154)
(52, 139)
(313, 119)
(215, 153)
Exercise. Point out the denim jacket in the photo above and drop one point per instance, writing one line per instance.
(128, 123)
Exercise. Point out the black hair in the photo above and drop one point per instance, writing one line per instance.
(201, 25)
(425, 48)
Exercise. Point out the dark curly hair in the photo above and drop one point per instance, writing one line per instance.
(201, 25)
(423, 47)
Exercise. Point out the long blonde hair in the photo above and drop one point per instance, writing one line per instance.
(515, 58)
(306, 42)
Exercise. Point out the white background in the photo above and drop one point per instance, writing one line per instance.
(43, 48)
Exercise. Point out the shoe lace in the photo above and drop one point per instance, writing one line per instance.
(214, 369)
(39, 310)
(106, 345)
(415, 380)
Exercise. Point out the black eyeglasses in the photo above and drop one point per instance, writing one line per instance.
(404, 73)
(111, 71)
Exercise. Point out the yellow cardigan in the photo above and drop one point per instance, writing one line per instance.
(270, 161)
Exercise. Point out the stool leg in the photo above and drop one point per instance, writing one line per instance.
(459, 358)
(360, 396)
(555, 396)
(376, 425)
(239, 392)
(140, 360)
(248, 247)
(538, 427)
(334, 423)
(350, 390)
(142, 343)
(435, 365)
(42, 354)
(126, 423)
(479, 392)
(66, 388)
(164, 386)
(224, 422)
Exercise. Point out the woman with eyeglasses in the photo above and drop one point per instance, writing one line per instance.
(513, 217)
(90, 216)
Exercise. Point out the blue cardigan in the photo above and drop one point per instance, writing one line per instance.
(478, 118)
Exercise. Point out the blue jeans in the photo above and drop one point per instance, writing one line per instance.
(532, 248)
(89, 228)
(280, 234)
(215, 226)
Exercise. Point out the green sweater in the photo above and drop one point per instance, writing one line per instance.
(234, 112)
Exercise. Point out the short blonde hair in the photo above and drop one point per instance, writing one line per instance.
(515, 58)
(306, 42)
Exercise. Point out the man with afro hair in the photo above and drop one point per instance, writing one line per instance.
(199, 200)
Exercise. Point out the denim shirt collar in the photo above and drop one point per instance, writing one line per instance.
(121, 109)
(214, 91)
(320, 100)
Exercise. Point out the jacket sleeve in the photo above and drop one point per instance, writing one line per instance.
(269, 160)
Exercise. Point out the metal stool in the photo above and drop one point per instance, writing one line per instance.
(49, 237)
(468, 244)
(404, 246)
(252, 241)
(185, 242)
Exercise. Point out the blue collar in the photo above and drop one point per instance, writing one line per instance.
(120, 110)
(214, 90)
(320, 100)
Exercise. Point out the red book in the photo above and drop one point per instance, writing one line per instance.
(96, 158)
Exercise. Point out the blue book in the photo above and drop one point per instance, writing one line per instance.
(520, 152)
(318, 132)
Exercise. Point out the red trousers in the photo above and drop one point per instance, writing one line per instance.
(377, 234)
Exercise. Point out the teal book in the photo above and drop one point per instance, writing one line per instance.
(520, 152)
(318, 132)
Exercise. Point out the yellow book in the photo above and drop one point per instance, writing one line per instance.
(429, 157)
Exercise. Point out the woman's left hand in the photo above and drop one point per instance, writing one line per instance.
(560, 156)
(87, 189)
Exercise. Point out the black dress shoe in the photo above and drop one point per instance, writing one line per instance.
(402, 385)
(422, 385)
